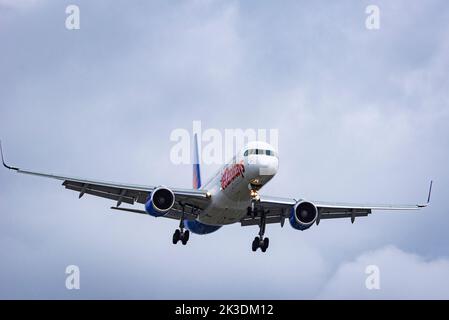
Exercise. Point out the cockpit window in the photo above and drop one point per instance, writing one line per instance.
(259, 152)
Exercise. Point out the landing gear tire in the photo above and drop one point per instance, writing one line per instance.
(265, 244)
(256, 243)
(185, 237)
(182, 236)
(262, 244)
(176, 236)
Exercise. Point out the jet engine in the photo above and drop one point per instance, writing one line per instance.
(303, 215)
(161, 201)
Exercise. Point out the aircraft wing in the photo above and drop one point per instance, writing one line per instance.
(124, 193)
(278, 209)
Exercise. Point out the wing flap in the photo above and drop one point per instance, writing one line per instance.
(172, 214)
(337, 206)
(256, 220)
(102, 194)
(117, 194)
(346, 214)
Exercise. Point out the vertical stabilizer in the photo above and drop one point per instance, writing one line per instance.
(196, 165)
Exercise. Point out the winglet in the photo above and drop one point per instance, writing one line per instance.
(428, 196)
(3, 160)
(430, 192)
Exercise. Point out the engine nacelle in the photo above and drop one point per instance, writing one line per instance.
(303, 215)
(160, 202)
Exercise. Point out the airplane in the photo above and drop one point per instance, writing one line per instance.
(232, 195)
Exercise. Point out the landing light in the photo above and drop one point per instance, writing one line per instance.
(254, 194)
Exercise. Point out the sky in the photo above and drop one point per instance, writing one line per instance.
(361, 114)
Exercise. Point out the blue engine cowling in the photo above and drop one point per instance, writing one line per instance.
(303, 215)
(160, 202)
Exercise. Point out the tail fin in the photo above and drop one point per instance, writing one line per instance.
(196, 165)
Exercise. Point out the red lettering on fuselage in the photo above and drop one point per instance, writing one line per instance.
(230, 173)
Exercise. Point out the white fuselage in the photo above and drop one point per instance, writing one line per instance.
(231, 186)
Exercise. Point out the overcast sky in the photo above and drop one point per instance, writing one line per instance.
(362, 117)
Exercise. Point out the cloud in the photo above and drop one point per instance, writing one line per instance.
(19, 4)
(362, 117)
(402, 276)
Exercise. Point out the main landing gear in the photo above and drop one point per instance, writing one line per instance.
(181, 234)
(259, 241)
